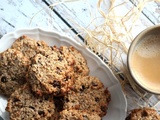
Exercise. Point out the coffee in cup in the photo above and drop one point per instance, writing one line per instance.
(144, 59)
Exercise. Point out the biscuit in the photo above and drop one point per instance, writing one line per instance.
(23, 104)
(80, 65)
(88, 94)
(50, 75)
(77, 115)
(30, 47)
(143, 114)
(13, 68)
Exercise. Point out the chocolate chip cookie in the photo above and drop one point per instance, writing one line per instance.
(13, 68)
(23, 104)
(50, 74)
(88, 94)
(143, 114)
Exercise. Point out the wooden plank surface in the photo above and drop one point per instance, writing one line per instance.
(151, 10)
(18, 14)
(83, 12)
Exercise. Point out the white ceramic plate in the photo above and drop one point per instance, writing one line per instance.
(117, 107)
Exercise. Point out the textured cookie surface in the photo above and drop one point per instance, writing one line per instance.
(77, 115)
(13, 68)
(88, 94)
(143, 114)
(80, 65)
(50, 74)
(30, 47)
(25, 105)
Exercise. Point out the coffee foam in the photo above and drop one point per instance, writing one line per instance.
(149, 47)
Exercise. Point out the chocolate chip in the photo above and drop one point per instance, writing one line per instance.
(144, 114)
(31, 107)
(103, 108)
(59, 102)
(46, 97)
(47, 56)
(60, 58)
(97, 99)
(61, 52)
(67, 100)
(56, 84)
(41, 113)
(4, 79)
(16, 100)
(58, 70)
(82, 89)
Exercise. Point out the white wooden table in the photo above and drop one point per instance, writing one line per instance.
(16, 14)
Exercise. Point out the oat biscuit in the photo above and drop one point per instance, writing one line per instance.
(88, 94)
(30, 47)
(50, 83)
(25, 105)
(80, 65)
(143, 114)
(77, 115)
(50, 74)
(13, 68)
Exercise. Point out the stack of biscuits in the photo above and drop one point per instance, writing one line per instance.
(45, 82)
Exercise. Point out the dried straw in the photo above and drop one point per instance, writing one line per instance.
(111, 37)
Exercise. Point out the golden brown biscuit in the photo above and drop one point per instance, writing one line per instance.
(143, 114)
(88, 94)
(23, 104)
(13, 69)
